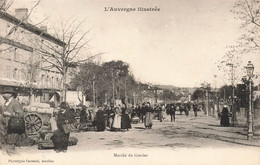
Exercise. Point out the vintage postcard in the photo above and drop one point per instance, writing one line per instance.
(129, 82)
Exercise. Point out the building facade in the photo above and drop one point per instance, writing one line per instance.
(21, 57)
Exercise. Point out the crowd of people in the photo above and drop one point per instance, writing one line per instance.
(119, 117)
(108, 117)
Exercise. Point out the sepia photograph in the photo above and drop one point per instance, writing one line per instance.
(130, 82)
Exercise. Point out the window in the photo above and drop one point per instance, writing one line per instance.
(47, 81)
(42, 80)
(15, 74)
(8, 54)
(57, 83)
(15, 55)
(8, 71)
(42, 43)
(52, 82)
(23, 75)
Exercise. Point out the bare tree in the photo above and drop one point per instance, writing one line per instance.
(5, 4)
(248, 11)
(230, 68)
(231, 72)
(71, 53)
(30, 73)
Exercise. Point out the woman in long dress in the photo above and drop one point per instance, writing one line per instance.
(11, 108)
(224, 117)
(125, 120)
(148, 116)
(111, 115)
(116, 126)
(83, 118)
(60, 137)
(100, 120)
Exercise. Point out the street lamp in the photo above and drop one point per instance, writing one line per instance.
(250, 71)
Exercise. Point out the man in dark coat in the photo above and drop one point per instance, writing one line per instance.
(160, 115)
(172, 112)
(195, 109)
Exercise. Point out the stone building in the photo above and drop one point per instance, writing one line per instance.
(21, 57)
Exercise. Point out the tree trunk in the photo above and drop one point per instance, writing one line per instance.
(113, 92)
(234, 116)
(64, 87)
(106, 100)
(126, 100)
(94, 93)
(207, 103)
(82, 97)
(134, 99)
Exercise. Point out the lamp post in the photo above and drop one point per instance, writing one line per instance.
(250, 71)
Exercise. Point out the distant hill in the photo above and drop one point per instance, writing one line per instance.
(171, 87)
(180, 89)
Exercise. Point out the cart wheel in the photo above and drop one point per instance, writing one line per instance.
(33, 123)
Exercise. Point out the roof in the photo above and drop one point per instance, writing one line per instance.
(31, 28)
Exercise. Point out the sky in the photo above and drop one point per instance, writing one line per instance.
(179, 45)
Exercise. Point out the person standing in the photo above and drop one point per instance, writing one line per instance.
(163, 112)
(195, 109)
(100, 119)
(11, 111)
(125, 120)
(159, 109)
(83, 118)
(111, 115)
(107, 114)
(224, 117)
(116, 126)
(187, 108)
(172, 112)
(60, 137)
(142, 112)
(148, 116)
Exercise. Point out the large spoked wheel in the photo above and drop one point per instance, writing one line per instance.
(33, 123)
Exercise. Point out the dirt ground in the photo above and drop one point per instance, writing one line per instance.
(185, 134)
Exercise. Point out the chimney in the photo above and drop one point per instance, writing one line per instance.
(44, 28)
(22, 14)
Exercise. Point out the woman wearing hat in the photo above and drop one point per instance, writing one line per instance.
(11, 109)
